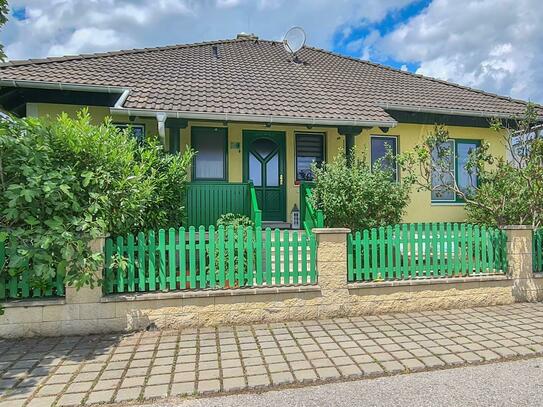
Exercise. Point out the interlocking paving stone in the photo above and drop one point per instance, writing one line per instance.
(282, 378)
(72, 399)
(127, 367)
(412, 364)
(100, 396)
(233, 383)
(181, 389)
(156, 391)
(305, 376)
(131, 393)
(350, 371)
(258, 381)
(432, 361)
(451, 359)
(393, 366)
(209, 386)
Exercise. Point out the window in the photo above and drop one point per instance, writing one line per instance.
(137, 130)
(210, 160)
(449, 162)
(380, 146)
(309, 150)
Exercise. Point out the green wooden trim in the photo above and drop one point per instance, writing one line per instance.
(256, 213)
(174, 143)
(225, 154)
(431, 118)
(431, 250)
(456, 142)
(206, 201)
(224, 258)
(19, 285)
(397, 138)
(278, 137)
(309, 216)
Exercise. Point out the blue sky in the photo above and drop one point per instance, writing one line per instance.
(494, 45)
(348, 39)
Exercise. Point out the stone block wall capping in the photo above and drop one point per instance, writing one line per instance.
(26, 303)
(144, 296)
(526, 288)
(431, 281)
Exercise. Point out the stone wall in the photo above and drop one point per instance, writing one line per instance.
(87, 311)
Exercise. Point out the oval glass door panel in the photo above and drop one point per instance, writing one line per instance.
(255, 170)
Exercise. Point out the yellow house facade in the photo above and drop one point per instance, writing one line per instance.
(257, 115)
(421, 207)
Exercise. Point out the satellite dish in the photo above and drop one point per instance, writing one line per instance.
(294, 39)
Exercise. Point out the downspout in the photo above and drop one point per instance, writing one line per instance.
(119, 103)
(161, 119)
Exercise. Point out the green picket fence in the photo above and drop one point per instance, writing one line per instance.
(310, 217)
(428, 250)
(16, 284)
(188, 259)
(538, 251)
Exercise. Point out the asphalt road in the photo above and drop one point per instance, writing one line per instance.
(518, 383)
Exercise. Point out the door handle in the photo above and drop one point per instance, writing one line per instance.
(281, 179)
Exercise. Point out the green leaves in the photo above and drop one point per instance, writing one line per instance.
(65, 182)
(509, 190)
(353, 195)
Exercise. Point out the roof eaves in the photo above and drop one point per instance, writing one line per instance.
(268, 119)
(445, 111)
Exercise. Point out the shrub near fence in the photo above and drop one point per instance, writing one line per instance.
(19, 286)
(412, 251)
(180, 259)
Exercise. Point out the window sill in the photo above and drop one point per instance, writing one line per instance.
(448, 204)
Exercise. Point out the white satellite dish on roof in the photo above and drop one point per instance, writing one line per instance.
(294, 40)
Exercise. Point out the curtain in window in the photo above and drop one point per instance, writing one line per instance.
(210, 144)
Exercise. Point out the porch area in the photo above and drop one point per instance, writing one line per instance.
(207, 201)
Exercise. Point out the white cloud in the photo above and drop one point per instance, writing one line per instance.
(57, 26)
(495, 45)
(86, 38)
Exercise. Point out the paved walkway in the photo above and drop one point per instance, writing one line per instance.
(145, 365)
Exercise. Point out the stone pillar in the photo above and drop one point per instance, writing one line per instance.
(519, 260)
(86, 294)
(332, 270)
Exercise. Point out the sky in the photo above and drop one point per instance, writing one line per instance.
(494, 45)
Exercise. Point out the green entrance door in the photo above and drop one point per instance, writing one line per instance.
(264, 165)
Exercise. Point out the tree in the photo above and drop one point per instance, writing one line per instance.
(501, 190)
(352, 194)
(4, 11)
(67, 181)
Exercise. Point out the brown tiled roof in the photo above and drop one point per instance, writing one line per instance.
(259, 78)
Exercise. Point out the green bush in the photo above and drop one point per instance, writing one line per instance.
(236, 221)
(67, 181)
(353, 195)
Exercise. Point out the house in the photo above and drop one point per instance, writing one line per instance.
(255, 113)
